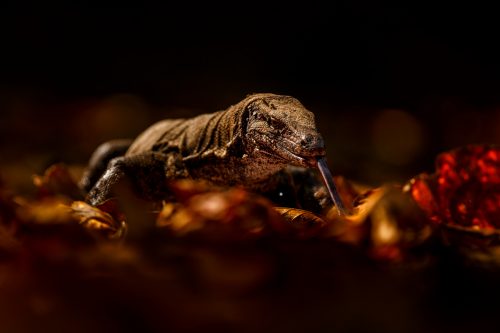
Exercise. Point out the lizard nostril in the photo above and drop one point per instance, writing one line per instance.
(307, 139)
(312, 141)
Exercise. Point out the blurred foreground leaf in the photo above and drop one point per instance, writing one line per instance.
(57, 181)
(385, 221)
(230, 215)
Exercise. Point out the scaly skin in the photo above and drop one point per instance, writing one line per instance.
(248, 144)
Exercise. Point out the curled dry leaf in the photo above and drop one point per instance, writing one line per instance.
(48, 231)
(56, 211)
(229, 215)
(97, 220)
(57, 181)
(299, 224)
(49, 211)
(385, 220)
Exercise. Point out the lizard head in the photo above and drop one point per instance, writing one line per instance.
(282, 130)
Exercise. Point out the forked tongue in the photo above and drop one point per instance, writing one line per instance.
(330, 185)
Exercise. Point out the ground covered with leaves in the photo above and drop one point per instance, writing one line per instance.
(411, 257)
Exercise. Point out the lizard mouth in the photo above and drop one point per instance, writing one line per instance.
(306, 158)
(290, 152)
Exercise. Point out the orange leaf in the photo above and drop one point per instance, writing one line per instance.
(299, 224)
(95, 219)
(57, 181)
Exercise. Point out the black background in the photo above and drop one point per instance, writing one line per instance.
(347, 61)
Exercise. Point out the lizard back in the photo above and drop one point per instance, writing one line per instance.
(191, 137)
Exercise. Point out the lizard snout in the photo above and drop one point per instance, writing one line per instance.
(313, 144)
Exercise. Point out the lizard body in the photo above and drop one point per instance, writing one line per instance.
(248, 144)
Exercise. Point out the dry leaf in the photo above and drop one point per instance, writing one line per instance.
(229, 215)
(49, 232)
(95, 219)
(48, 211)
(463, 198)
(298, 224)
(464, 190)
(57, 181)
(385, 220)
(184, 189)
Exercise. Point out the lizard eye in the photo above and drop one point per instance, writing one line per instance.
(261, 116)
(273, 122)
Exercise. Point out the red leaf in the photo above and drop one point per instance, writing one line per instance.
(464, 190)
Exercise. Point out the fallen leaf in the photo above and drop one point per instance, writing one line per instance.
(57, 181)
(298, 224)
(185, 189)
(97, 220)
(48, 211)
(464, 190)
(228, 215)
(385, 221)
(462, 197)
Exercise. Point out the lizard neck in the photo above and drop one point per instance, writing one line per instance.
(217, 134)
(223, 155)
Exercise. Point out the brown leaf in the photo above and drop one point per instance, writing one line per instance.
(385, 220)
(298, 224)
(48, 211)
(229, 215)
(57, 181)
(111, 207)
(49, 231)
(178, 218)
(96, 220)
(184, 189)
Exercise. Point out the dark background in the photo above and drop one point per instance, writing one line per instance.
(391, 85)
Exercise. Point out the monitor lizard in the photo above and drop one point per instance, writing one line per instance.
(262, 143)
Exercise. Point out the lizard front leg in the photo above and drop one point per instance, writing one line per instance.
(100, 159)
(147, 174)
